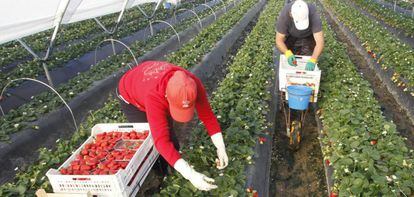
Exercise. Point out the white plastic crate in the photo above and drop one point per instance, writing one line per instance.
(290, 75)
(125, 182)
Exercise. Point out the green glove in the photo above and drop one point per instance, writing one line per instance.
(310, 65)
(290, 58)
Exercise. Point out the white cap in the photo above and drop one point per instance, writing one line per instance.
(300, 14)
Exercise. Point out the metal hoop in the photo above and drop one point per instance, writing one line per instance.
(41, 82)
(165, 22)
(214, 13)
(118, 41)
(184, 9)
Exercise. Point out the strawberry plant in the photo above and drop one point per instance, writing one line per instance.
(384, 48)
(368, 156)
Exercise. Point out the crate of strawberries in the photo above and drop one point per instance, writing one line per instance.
(113, 161)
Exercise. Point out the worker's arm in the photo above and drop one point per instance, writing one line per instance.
(157, 114)
(319, 45)
(204, 111)
(280, 42)
(282, 30)
(210, 121)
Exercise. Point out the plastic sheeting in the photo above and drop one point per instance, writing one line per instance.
(20, 18)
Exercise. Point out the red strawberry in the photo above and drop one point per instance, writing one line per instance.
(91, 162)
(88, 146)
(373, 142)
(79, 157)
(104, 144)
(84, 152)
(327, 162)
(75, 162)
(92, 154)
(63, 171)
(129, 156)
(85, 167)
(96, 172)
(75, 167)
(123, 165)
(255, 193)
(114, 167)
(333, 194)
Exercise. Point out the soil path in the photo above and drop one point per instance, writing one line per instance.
(301, 172)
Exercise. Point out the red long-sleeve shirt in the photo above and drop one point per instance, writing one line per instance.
(144, 87)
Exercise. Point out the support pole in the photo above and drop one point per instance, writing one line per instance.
(395, 5)
(113, 46)
(48, 77)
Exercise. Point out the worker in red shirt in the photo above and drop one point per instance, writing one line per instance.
(156, 92)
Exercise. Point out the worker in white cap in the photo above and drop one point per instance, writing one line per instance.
(299, 32)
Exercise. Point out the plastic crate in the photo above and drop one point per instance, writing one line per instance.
(289, 75)
(125, 182)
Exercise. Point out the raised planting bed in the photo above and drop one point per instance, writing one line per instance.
(34, 69)
(241, 104)
(39, 167)
(362, 149)
(391, 18)
(12, 53)
(402, 6)
(390, 59)
(256, 9)
(52, 127)
(23, 93)
(16, 120)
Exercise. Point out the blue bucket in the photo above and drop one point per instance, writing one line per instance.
(299, 96)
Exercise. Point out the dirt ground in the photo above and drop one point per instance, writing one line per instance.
(300, 172)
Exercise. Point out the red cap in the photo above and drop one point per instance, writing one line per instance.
(181, 94)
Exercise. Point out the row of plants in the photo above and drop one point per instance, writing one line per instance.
(383, 47)
(241, 105)
(13, 51)
(394, 19)
(192, 52)
(367, 154)
(18, 119)
(407, 4)
(80, 32)
(33, 68)
(32, 178)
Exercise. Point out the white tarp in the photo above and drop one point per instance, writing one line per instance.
(20, 18)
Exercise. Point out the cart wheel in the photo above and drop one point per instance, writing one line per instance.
(295, 135)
